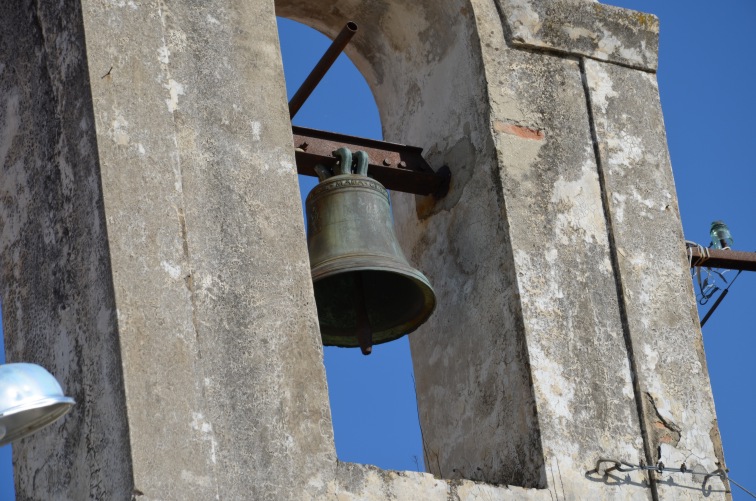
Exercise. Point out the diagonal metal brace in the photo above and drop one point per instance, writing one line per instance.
(398, 167)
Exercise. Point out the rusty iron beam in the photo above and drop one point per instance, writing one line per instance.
(396, 166)
(320, 69)
(726, 259)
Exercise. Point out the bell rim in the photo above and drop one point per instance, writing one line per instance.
(387, 335)
(365, 262)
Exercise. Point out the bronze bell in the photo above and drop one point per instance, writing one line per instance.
(366, 291)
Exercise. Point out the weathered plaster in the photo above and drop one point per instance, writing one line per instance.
(223, 368)
(657, 292)
(584, 28)
(564, 276)
(55, 274)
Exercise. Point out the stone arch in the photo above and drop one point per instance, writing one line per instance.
(424, 64)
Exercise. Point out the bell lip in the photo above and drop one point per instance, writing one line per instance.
(56, 406)
(390, 334)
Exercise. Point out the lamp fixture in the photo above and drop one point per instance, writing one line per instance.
(30, 399)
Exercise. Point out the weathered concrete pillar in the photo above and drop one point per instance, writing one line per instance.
(188, 334)
(153, 254)
(56, 283)
(538, 361)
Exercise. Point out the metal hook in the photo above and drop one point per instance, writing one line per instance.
(345, 160)
(362, 163)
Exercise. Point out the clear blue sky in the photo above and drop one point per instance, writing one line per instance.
(707, 68)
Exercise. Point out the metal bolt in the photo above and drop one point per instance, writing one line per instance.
(304, 146)
(386, 162)
(402, 164)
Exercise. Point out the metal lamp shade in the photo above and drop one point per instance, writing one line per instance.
(30, 399)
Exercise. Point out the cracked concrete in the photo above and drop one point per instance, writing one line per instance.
(663, 431)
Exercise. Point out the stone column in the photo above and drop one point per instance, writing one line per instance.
(153, 252)
(58, 303)
(551, 346)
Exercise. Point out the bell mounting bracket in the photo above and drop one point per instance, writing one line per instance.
(396, 166)
(723, 258)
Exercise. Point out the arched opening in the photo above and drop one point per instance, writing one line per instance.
(373, 403)
(422, 61)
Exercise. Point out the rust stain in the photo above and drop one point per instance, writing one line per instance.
(519, 131)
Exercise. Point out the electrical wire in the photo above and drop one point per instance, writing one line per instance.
(624, 466)
(707, 288)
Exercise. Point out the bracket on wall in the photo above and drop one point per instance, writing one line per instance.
(723, 258)
(396, 166)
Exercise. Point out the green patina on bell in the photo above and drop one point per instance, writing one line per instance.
(366, 291)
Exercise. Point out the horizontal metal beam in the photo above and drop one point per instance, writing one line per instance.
(726, 259)
(396, 166)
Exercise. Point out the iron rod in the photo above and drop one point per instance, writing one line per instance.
(364, 329)
(714, 307)
(320, 69)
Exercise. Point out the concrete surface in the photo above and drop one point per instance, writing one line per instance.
(153, 254)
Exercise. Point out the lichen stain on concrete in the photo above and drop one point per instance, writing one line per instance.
(557, 391)
(118, 127)
(175, 89)
(578, 213)
(618, 206)
(178, 40)
(123, 3)
(525, 22)
(164, 55)
(10, 125)
(625, 151)
(601, 86)
(201, 480)
(206, 430)
(255, 126)
(287, 166)
(652, 356)
(580, 32)
(646, 202)
(610, 45)
(172, 269)
(14, 187)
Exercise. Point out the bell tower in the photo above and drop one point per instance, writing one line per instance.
(153, 254)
